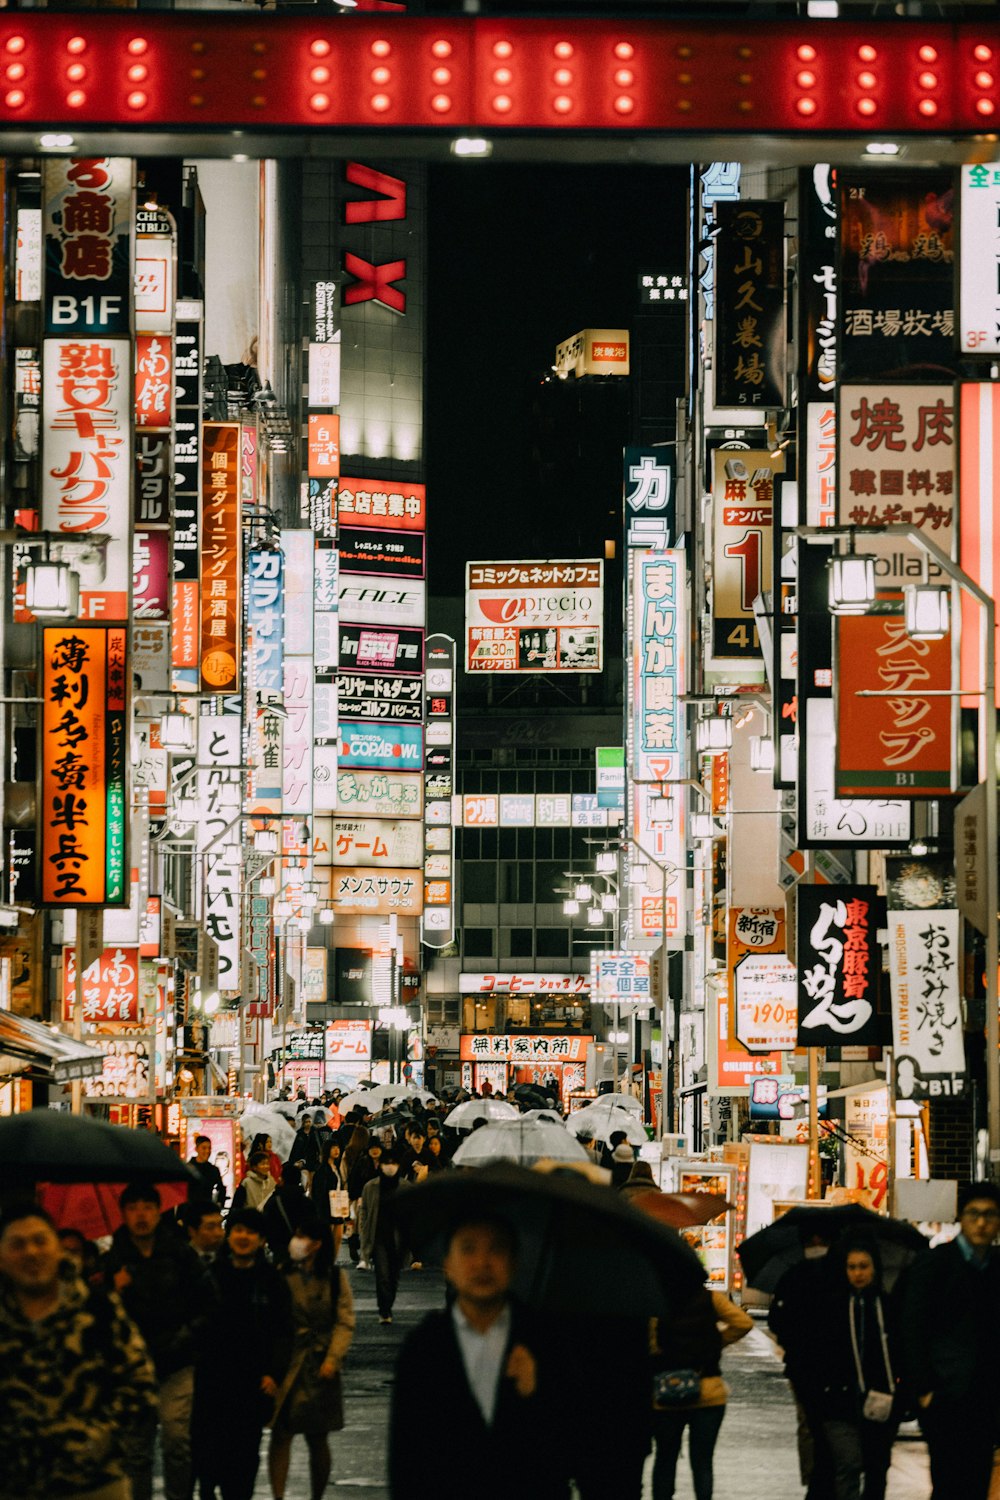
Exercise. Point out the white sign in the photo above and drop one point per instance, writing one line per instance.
(220, 836)
(154, 283)
(925, 958)
(370, 599)
(534, 616)
(767, 1011)
(617, 977)
(348, 1040)
(368, 841)
(324, 373)
(979, 289)
(524, 984)
(833, 821)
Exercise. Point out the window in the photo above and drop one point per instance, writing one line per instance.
(519, 941)
(552, 882)
(477, 942)
(517, 881)
(479, 881)
(552, 942)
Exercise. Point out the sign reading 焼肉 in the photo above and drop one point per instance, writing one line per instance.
(534, 616)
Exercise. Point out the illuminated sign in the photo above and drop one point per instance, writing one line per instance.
(534, 616)
(389, 505)
(221, 622)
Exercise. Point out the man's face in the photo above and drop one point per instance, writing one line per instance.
(30, 1253)
(202, 1150)
(416, 1140)
(141, 1219)
(980, 1222)
(860, 1270)
(479, 1263)
(208, 1236)
(262, 1168)
(244, 1242)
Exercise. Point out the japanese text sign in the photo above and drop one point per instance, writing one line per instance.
(356, 891)
(110, 986)
(526, 1049)
(221, 623)
(925, 960)
(896, 459)
(534, 616)
(749, 325)
(765, 1002)
(383, 794)
(154, 381)
(618, 977)
(839, 963)
(85, 755)
(742, 516)
(88, 227)
(391, 506)
(979, 289)
(659, 634)
(324, 447)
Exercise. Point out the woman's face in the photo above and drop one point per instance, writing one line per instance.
(860, 1269)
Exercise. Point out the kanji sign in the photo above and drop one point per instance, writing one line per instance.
(348, 1039)
(743, 514)
(839, 962)
(369, 842)
(389, 505)
(528, 1049)
(324, 447)
(749, 324)
(154, 381)
(928, 1047)
(979, 289)
(618, 977)
(110, 986)
(84, 754)
(88, 229)
(534, 616)
(524, 984)
(221, 623)
(896, 459)
(765, 1002)
(659, 626)
(384, 794)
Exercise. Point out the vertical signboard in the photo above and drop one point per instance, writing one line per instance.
(979, 434)
(928, 1047)
(88, 245)
(220, 836)
(979, 259)
(83, 830)
(896, 462)
(650, 500)
(839, 961)
(749, 326)
(187, 485)
(221, 620)
(896, 276)
(438, 928)
(743, 516)
(265, 622)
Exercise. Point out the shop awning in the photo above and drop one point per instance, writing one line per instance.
(27, 1045)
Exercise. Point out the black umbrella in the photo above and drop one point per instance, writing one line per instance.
(45, 1145)
(580, 1247)
(530, 1093)
(769, 1253)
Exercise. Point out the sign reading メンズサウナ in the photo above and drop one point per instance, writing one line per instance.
(534, 616)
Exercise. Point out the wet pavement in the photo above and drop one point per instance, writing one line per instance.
(756, 1457)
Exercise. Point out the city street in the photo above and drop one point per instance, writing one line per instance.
(755, 1459)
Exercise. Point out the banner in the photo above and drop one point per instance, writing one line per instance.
(397, 554)
(365, 649)
(88, 237)
(925, 958)
(369, 842)
(766, 1002)
(979, 249)
(221, 620)
(154, 381)
(616, 978)
(368, 599)
(382, 794)
(534, 616)
(438, 926)
(649, 497)
(110, 986)
(896, 276)
(151, 592)
(742, 546)
(749, 325)
(83, 797)
(387, 504)
(817, 286)
(979, 437)
(373, 747)
(356, 891)
(839, 962)
(398, 699)
(896, 465)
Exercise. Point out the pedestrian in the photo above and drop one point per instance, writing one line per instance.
(165, 1291)
(854, 1365)
(380, 1243)
(210, 1186)
(329, 1186)
(282, 1211)
(310, 1399)
(622, 1159)
(436, 1160)
(487, 1364)
(258, 1185)
(361, 1158)
(688, 1388)
(203, 1222)
(411, 1148)
(77, 1387)
(792, 1320)
(639, 1180)
(82, 1253)
(264, 1142)
(305, 1153)
(243, 1361)
(950, 1340)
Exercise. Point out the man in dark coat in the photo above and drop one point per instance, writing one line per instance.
(166, 1292)
(243, 1361)
(951, 1348)
(210, 1187)
(492, 1376)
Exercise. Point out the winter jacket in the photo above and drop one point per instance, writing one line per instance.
(307, 1150)
(249, 1332)
(694, 1338)
(253, 1192)
(377, 1193)
(168, 1295)
(75, 1387)
(951, 1326)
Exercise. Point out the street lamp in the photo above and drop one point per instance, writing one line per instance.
(851, 582)
(713, 735)
(926, 611)
(606, 862)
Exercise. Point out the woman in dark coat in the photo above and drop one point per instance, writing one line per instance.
(329, 1186)
(855, 1371)
(310, 1399)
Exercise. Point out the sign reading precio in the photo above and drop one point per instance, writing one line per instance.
(534, 616)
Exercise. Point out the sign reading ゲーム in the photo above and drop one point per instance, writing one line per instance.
(534, 616)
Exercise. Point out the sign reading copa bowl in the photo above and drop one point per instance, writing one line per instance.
(376, 746)
(534, 616)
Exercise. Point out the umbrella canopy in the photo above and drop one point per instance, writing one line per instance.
(773, 1250)
(681, 1210)
(531, 1093)
(551, 1115)
(92, 1207)
(256, 1119)
(603, 1120)
(44, 1145)
(464, 1116)
(623, 1101)
(525, 1141)
(579, 1247)
(377, 1098)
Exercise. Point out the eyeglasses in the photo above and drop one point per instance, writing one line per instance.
(988, 1215)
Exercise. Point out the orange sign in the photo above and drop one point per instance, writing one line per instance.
(110, 986)
(85, 755)
(154, 381)
(184, 623)
(221, 624)
(324, 447)
(896, 744)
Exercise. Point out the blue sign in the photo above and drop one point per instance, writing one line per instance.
(381, 747)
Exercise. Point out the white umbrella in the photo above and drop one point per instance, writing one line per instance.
(602, 1122)
(525, 1141)
(464, 1115)
(257, 1119)
(625, 1101)
(377, 1098)
(551, 1116)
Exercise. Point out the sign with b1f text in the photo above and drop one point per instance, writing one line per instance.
(925, 957)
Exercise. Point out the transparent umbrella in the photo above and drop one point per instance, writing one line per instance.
(551, 1115)
(464, 1116)
(377, 1098)
(603, 1120)
(525, 1141)
(256, 1119)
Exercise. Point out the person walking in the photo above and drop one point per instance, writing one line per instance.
(203, 1222)
(791, 1319)
(262, 1142)
(688, 1388)
(77, 1386)
(329, 1186)
(258, 1185)
(486, 1363)
(310, 1399)
(282, 1211)
(380, 1242)
(306, 1153)
(950, 1342)
(243, 1361)
(360, 1160)
(165, 1290)
(854, 1371)
(211, 1187)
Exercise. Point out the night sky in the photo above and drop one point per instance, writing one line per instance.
(521, 257)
